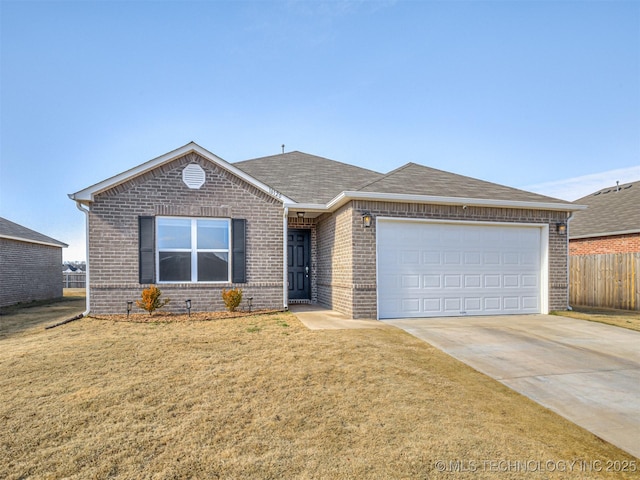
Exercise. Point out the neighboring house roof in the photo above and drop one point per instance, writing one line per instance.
(611, 211)
(13, 231)
(307, 178)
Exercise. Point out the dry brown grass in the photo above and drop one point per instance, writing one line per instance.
(263, 397)
(17, 318)
(620, 318)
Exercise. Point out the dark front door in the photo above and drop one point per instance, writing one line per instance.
(299, 262)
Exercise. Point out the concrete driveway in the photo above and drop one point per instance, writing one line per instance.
(587, 372)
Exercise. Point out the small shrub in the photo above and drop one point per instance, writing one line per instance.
(232, 298)
(151, 299)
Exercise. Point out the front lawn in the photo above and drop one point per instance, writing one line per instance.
(263, 397)
(620, 318)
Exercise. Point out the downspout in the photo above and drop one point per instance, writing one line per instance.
(285, 287)
(568, 269)
(86, 281)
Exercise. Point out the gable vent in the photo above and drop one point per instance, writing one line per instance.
(193, 176)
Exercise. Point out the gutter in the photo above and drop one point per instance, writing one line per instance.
(87, 289)
(346, 196)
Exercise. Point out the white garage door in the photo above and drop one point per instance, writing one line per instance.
(452, 269)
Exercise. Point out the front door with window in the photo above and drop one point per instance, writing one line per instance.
(299, 262)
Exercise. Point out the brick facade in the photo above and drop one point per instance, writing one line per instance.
(29, 272)
(347, 250)
(605, 245)
(113, 236)
(343, 252)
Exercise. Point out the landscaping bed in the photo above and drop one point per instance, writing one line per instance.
(162, 317)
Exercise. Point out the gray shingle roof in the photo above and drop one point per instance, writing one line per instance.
(610, 210)
(307, 178)
(310, 179)
(420, 180)
(13, 230)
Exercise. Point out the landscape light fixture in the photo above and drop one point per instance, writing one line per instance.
(187, 303)
(367, 218)
(129, 306)
(561, 228)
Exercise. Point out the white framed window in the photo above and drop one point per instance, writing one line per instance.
(191, 250)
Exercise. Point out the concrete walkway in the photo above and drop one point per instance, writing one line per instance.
(315, 317)
(585, 371)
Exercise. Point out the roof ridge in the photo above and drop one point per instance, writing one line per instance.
(309, 155)
(385, 175)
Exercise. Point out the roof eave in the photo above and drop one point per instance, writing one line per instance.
(604, 234)
(307, 207)
(38, 242)
(345, 197)
(87, 195)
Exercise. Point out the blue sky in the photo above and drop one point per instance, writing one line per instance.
(540, 95)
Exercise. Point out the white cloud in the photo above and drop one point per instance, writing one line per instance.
(577, 187)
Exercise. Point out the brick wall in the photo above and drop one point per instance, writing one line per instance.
(335, 260)
(605, 245)
(113, 234)
(347, 251)
(29, 271)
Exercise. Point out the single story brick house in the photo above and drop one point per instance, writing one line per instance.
(29, 265)
(610, 224)
(295, 227)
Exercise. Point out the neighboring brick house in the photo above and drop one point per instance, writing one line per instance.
(610, 224)
(29, 265)
(295, 227)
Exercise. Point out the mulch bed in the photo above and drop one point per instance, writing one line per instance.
(163, 317)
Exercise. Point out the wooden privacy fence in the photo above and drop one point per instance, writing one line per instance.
(611, 281)
(74, 280)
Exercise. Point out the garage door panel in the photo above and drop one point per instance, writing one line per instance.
(492, 304)
(410, 281)
(452, 258)
(510, 281)
(453, 305)
(411, 305)
(431, 258)
(511, 303)
(432, 305)
(431, 269)
(431, 281)
(472, 281)
(410, 257)
(472, 258)
(452, 281)
(473, 305)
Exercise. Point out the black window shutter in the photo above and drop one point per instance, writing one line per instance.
(238, 251)
(146, 242)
